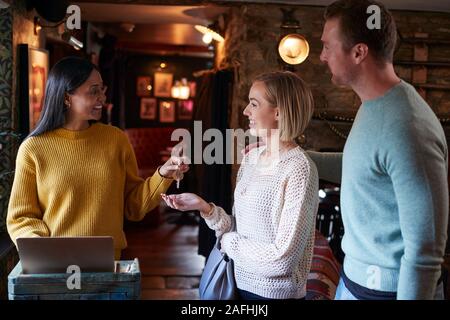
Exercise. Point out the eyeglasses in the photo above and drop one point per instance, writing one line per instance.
(96, 91)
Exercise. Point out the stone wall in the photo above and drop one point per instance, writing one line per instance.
(251, 42)
(16, 26)
(23, 32)
(437, 26)
(251, 36)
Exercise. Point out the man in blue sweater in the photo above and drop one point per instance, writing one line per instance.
(393, 170)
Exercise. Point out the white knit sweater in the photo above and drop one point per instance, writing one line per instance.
(275, 210)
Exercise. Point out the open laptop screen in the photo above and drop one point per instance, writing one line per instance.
(55, 254)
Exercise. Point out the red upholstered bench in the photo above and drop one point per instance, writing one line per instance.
(324, 275)
(148, 143)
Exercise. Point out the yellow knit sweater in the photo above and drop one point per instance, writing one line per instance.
(79, 183)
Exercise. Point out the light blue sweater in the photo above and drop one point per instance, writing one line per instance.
(394, 195)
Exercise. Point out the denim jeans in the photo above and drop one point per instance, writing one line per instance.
(246, 295)
(342, 293)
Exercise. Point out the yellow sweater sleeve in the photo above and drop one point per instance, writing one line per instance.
(141, 196)
(24, 217)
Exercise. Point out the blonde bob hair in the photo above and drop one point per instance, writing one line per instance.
(288, 92)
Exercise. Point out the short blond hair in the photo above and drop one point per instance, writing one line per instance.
(293, 97)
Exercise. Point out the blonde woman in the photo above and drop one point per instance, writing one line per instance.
(276, 195)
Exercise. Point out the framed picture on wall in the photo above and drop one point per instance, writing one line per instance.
(143, 86)
(166, 111)
(163, 84)
(185, 109)
(33, 72)
(148, 108)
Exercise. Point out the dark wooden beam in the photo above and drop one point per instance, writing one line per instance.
(160, 47)
(155, 2)
(192, 2)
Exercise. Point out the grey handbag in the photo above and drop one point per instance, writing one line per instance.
(217, 281)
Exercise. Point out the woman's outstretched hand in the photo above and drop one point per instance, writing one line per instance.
(187, 202)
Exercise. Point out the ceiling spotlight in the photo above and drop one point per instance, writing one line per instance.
(3, 4)
(77, 44)
(128, 27)
(211, 31)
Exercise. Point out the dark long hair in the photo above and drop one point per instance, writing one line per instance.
(66, 76)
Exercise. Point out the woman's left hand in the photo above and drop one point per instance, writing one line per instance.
(186, 202)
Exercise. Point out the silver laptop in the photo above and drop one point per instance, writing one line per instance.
(56, 254)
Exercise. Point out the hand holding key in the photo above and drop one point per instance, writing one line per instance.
(176, 166)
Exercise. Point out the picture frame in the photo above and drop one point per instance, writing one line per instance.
(185, 109)
(148, 108)
(33, 74)
(166, 111)
(163, 84)
(143, 86)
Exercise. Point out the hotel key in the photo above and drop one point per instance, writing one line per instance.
(178, 177)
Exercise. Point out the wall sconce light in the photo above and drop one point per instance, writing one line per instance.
(209, 33)
(180, 90)
(175, 92)
(38, 25)
(293, 47)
